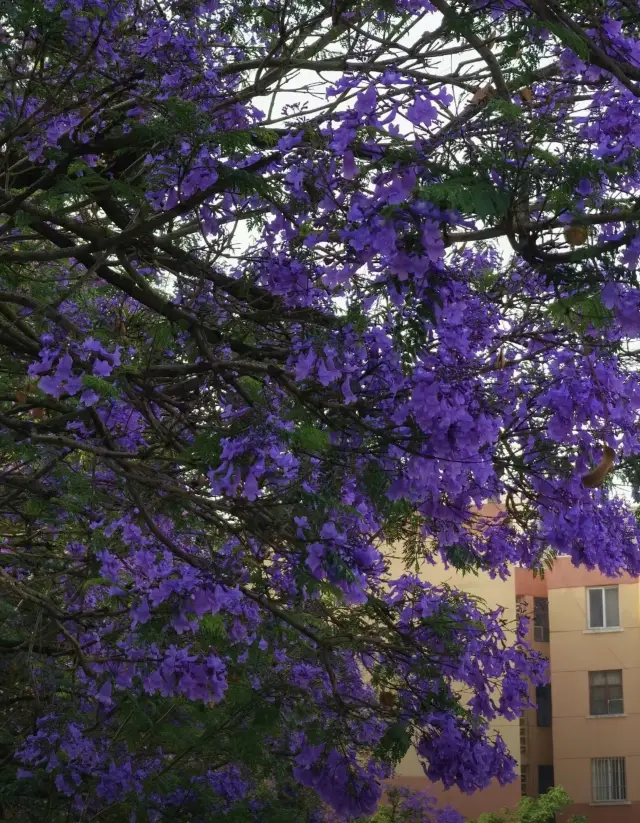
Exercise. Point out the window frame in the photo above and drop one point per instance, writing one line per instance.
(524, 735)
(613, 764)
(606, 686)
(605, 627)
(524, 780)
(541, 629)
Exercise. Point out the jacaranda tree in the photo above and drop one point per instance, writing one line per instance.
(249, 340)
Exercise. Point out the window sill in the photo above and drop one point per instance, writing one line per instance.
(604, 716)
(605, 630)
(610, 803)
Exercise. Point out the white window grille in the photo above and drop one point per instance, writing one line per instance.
(608, 779)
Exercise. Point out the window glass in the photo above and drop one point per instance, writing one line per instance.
(543, 699)
(596, 611)
(612, 613)
(605, 692)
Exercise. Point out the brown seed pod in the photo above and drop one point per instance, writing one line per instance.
(21, 397)
(576, 235)
(501, 361)
(482, 94)
(37, 414)
(526, 95)
(387, 699)
(597, 477)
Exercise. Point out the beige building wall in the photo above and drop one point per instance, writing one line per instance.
(494, 593)
(575, 651)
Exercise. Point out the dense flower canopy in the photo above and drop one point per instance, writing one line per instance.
(248, 341)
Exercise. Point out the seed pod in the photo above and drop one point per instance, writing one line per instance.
(526, 95)
(597, 477)
(37, 414)
(21, 397)
(501, 361)
(482, 94)
(387, 699)
(576, 235)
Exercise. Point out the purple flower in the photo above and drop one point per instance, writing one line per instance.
(89, 397)
(141, 613)
(350, 170)
(251, 488)
(102, 368)
(304, 365)
(104, 694)
(316, 552)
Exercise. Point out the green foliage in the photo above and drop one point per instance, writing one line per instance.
(579, 312)
(395, 743)
(535, 810)
(247, 183)
(569, 38)
(310, 439)
(212, 628)
(205, 450)
(631, 472)
(464, 561)
(468, 195)
(507, 109)
(102, 387)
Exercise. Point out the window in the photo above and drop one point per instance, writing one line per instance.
(541, 619)
(608, 779)
(604, 611)
(523, 736)
(543, 699)
(605, 692)
(545, 779)
(523, 780)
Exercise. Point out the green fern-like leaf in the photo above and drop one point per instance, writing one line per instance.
(468, 196)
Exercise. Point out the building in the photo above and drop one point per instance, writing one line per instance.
(584, 734)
